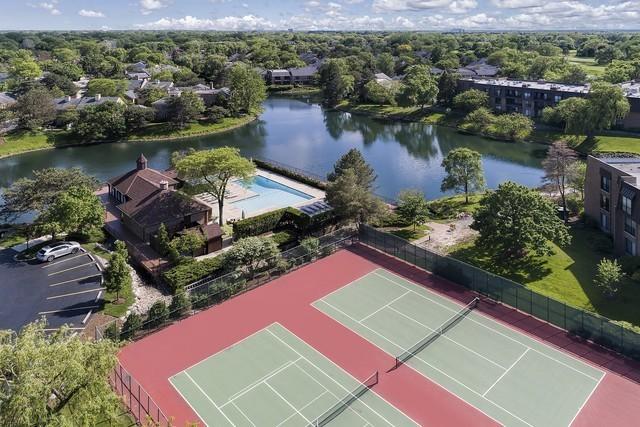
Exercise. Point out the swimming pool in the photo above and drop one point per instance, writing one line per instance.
(269, 195)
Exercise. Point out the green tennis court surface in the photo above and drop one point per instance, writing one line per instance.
(272, 378)
(511, 377)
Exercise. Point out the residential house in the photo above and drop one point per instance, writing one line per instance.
(278, 77)
(147, 197)
(79, 102)
(137, 75)
(138, 67)
(6, 100)
(531, 97)
(612, 200)
(304, 75)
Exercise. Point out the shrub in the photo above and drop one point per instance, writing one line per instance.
(130, 326)
(269, 221)
(630, 264)
(112, 331)
(190, 271)
(180, 304)
(608, 276)
(310, 246)
(157, 314)
(284, 237)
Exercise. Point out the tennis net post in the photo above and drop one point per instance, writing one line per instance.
(340, 406)
(424, 342)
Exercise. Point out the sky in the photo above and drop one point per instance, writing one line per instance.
(302, 15)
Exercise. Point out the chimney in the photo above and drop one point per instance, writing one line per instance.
(98, 97)
(164, 185)
(141, 163)
(211, 85)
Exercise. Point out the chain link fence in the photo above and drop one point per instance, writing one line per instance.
(598, 329)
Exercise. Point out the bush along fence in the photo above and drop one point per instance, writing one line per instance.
(306, 177)
(211, 291)
(598, 329)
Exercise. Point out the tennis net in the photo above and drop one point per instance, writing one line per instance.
(420, 345)
(331, 413)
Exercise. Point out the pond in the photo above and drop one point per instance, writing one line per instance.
(300, 133)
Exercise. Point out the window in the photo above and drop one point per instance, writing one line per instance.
(630, 246)
(627, 205)
(605, 182)
(604, 201)
(527, 95)
(557, 98)
(629, 225)
(604, 221)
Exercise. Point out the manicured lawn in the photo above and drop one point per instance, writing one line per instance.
(611, 144)
(567, 275)
(118, 310)
(19, 142)
(166, 131)
(11, 240)
(447, 208)
(589, 64)
(409, 233)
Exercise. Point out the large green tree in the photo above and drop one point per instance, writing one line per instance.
(185, 108)
(515, 221)
(558, 168)
(77, 209)
(106, 87)
(412, 207)
(248, 90)
(471, 100)
(39, 192)
(447, 87)
(56, 379)
(117, 276)
(336, 81)
(35, 109)
(464, 171)
(211, 171)
(607, 104)
(105, 121)
(420, 87)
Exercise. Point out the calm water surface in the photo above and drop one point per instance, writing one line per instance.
(300, 133)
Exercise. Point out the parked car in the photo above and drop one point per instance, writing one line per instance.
(56, 250)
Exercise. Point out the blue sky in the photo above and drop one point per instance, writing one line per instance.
(319, 14)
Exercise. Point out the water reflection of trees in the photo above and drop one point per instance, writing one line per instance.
(426, 141)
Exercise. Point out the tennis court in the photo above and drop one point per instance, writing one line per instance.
(512, 378)
(273, 378)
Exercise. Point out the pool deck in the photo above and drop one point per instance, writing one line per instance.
(237, 193)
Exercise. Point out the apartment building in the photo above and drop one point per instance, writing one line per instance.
(612, 200)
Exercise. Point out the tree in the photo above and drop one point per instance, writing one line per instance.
(211, 170)
(412, 207)
(39, 192)
(607, 104)
(353, 159)
(101, 122)
(188, 243)
(34, 109)
(379, 94)
(213, 68)
(512, 127)
(180, 304)
(557, 166)
(514, 221)
(608, 276)
(478, 121)
(386, 64)
(61, 84)
(252, 253)
(471, 100)
(310, 246)
(464, 171)
(117, 276)
(336, 81)
(56, 379)
(247, 90)
(572, 112)
(158, 314)
(22, 68)
(162, 240)
(106, 87)
(185, 108)
(577, 177)
(420, 87)
(77, 209)
(136, 117)
(447, 87)
(352, 200)
(132, 323)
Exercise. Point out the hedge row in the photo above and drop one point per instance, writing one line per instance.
(190, 271)
(269, 221)
(290, 173)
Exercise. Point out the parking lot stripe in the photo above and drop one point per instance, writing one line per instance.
(51, 264)
(71, 329)
(76, 293)
(63, 310)
(71, 268)
(75, 280)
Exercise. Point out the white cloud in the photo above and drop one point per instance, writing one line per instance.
(91, 13)
(232, 23)
(454, 6)
(51, 7)
(149, 6)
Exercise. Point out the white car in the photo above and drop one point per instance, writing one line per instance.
(56, 250)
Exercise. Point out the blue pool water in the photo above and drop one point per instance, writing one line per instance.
(270, 194)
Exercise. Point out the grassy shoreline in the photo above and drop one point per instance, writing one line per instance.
(26, 142)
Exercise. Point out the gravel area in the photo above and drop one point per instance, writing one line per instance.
(443, 236)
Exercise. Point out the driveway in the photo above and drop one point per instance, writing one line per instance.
(65, 291)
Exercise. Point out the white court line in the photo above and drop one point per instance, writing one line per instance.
(286, 401)
(57, 329)
(69, 309)
(496, 331)
(305, 406)
(71, 268)
(449, 338)
(586, 400)
(505, 372)
(51, 264)
(243, 414)
(329, 376)
(207, 396)
(423, 361)
(384, 306)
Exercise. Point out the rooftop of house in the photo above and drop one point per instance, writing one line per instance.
(83, 101)
(629, 166)
(381, 76)
(309, 70)
(631, 89)
(6, 99)
(524, 84)
(280, 73)
(141, 181)
(137, 75)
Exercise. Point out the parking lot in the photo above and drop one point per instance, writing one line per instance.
(65, 291)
